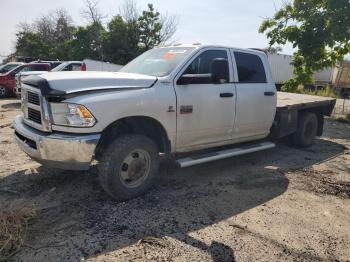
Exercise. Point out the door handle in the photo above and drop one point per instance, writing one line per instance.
(226, 94)
(269, 93)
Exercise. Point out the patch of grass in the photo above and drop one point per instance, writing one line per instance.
(328, 91)
(13, 230)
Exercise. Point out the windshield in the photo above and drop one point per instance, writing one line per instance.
(158, 61)
(7, 67)
(60, 67)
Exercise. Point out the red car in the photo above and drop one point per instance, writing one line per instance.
(8, 81)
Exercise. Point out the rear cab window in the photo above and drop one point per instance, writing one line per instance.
(250, 68)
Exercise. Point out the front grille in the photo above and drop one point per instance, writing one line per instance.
(33, 98)
(34, 115)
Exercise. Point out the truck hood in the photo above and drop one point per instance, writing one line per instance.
(65, 83)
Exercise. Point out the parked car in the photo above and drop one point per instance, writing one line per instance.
(8, 67)
(174, 101)
(53, 63)
(8, 82)
(93, 65)
(64, 66)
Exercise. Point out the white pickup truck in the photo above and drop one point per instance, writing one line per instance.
(193, 103)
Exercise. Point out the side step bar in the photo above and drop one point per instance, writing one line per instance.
(212, 156)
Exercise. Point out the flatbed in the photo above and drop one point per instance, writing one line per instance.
(291, 105)
(301, 101)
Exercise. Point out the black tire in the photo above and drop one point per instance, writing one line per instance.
(3, 92)
(306, 130)
(113, 160)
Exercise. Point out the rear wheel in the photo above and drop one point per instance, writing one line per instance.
(3, 92)
(129, 167)
(306, 130)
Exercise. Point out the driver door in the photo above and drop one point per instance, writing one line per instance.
(205, 109)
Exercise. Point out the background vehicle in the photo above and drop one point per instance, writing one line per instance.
(8, 67)
(93, 65)
(63, 66)
(177, 101)
(341, 78)
(8, 82)
(337, 77)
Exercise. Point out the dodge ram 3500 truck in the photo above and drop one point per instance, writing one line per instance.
(194, 103)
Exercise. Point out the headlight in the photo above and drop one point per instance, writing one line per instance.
(75, 115)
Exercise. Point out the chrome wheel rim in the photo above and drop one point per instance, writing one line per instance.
(135, 168)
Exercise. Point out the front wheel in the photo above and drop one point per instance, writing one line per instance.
(129, 167)
(3, 92)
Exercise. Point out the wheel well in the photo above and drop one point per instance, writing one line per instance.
(142, 125)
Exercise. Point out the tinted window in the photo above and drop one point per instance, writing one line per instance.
(41, 68)
(202, 64)
(201, 67)
(250, 68)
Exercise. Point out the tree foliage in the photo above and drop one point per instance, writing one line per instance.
(122, 40)
(318, 29)
(124, 37)
(46, 37)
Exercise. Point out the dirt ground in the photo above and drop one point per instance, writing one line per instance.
(284, 204)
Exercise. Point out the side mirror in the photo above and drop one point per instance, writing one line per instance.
(189, 79)
(219, 71)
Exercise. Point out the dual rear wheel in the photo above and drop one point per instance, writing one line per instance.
(306, 130)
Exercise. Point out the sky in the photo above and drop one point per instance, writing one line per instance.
(226, 22)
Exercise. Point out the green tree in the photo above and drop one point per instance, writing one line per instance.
(150, 27)
(32, 44)
(83, 43)
(318, 29)
(47, 37)
(121, 41)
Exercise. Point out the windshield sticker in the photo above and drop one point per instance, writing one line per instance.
(172, 53)
(169, 55)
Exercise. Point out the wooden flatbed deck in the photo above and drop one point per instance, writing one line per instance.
(286, 101)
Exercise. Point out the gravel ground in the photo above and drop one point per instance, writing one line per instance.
(284, 204)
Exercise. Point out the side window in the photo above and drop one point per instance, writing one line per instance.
(76, 67)
(27, 68)
(202, 66)
(67, 68)
(40, 68)
(250, 68)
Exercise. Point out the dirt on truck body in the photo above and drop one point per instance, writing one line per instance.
(285, 204)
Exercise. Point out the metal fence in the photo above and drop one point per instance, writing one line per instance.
(342, 107)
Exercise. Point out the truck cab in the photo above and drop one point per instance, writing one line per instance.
(174, 101)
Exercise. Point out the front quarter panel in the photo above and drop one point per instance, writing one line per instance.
(108, 107)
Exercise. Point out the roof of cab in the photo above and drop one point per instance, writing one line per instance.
(201, 46)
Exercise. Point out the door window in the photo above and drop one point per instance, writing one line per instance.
(250, 68)
(202, 66)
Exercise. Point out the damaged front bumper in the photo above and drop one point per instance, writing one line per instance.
(57, 150)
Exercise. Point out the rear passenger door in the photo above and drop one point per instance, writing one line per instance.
(256, 95)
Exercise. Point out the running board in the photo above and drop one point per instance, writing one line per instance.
(212, 156)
